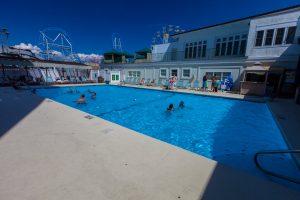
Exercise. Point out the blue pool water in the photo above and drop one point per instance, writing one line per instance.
(229, 131)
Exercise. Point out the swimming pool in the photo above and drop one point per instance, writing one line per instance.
(226, 130)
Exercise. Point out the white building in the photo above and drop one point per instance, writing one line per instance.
(273, 39)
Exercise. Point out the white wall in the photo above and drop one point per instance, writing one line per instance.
(211, 34)
(284, 19)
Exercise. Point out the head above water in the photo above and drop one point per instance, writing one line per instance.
(82, 96)
(171, 106)
(181, 103)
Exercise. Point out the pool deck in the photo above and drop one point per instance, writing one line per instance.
(51, 151)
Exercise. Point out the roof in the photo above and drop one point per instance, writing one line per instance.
(14, 59)
(113, 51)
(119, 53)
(144, 50)
(240, 19)
(257, 68)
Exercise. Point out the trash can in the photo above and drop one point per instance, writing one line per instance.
(297, 96)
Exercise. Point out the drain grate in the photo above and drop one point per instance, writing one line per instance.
(88, 117)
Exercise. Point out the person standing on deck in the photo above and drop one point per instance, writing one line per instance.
(204, 83)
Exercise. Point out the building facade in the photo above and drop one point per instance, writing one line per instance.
(227, 49)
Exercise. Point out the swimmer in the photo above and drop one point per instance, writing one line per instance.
(181, 104)
(81, 99)
(170, 108)
(94, 95)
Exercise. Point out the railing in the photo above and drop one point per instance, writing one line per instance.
(273, 173)
(207, 54)
(203, 54)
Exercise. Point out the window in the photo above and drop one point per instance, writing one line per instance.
(186, 73)
(229, 46)
(204, 49)
(163, 72)
(134, 73)
(236, 45)
(259, 38)
(225, 75)
(290, 35)
(269, 37)
(279, 36)
(218, 45)
(223, 46)
(195, 50)
(243, 45)
(174, 72)
(199, 49)
(186, 52)
(220, 75)
(191, 50)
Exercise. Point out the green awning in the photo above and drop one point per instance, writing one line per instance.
(143, 51)
(113, 51)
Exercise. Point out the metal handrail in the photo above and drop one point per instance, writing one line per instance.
(273, 173)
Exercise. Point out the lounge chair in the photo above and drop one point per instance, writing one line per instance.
(180, 84)
(151, 82)
(187, 85)
(159, 82)
(195, 85)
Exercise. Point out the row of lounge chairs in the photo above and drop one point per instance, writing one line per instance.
(28, 80)
(162, 83)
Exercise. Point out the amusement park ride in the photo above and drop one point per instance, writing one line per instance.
(56, 45)
(163, 35)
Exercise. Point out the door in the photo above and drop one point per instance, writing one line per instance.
(115, 77)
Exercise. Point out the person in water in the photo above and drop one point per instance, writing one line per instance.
(81, 99)
(90, 91)
(181, 104)
(171, 107)
(94, 95)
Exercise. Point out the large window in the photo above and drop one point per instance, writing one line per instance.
(195, 50)
(272, 37)
(259, 38)
(269, 37)
(290, 35)
(233, 45)
(220, 75)
(279, 36)
(134, 74)
(186, 73)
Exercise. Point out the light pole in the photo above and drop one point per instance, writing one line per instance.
(4, 37)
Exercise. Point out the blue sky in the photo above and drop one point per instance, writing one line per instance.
(90, 24)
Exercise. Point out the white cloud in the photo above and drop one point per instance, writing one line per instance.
(56, 53)
(34, 49)
(95, 58)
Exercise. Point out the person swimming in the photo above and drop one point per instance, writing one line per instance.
(181, 104)
(90, 91)
(170, 108)
(94, 95)
(81, 99)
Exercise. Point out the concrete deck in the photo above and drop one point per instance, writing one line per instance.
(287, 114)
(51, 151)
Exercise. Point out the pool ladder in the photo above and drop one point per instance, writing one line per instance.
(256, 155)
